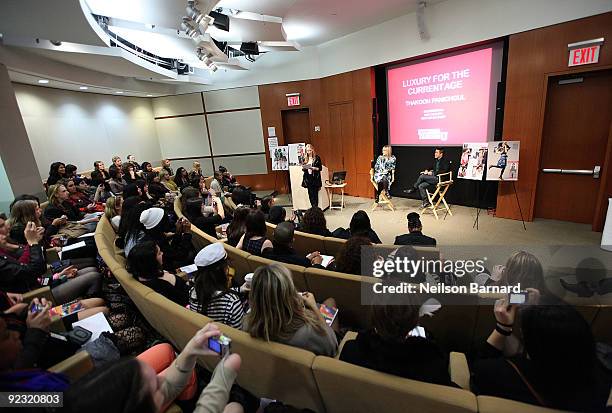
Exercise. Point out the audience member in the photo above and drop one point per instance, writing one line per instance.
(156, 189)
(187, 194)
(67, 285)
(349, 258)
(277, 215)
(145, 263)
(131, 229)
(205, 217)
(77, 198)
(129, 173)
(216, 183)
(116, 164)
(393, 345)
(146, 169)
(415, 235)
(59, 207)
(165, 163)
(559, 370)
(132, 161)
(280, 313)
(283, 251)
(181, 179)
(99, 175)
(116, 181)
(314, 222)
(196, 171)
(237, 228)
(177, 248)
(359, 226)
(71, 172)
(135, 385)
(57, 171)
(28, 210)
(211, 294)
(254, 239)
(164, 179)
(112, 211)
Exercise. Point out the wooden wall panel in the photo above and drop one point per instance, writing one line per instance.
(352, 88)
(533, 56)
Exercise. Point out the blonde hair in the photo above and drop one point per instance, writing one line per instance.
(162, 174)
(389, 148)
(196, 165)
(53, 194)
(23, 212)
(525, 269)
(306, 156)
(277, 309)
(110, 209)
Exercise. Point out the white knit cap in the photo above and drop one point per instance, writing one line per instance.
(151, 217)
(210, 254)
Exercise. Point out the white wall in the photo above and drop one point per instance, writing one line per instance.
(80, 128)
(229, 123)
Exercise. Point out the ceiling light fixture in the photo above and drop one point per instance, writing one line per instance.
(188, 27)
(83, 87)
(149, 96)
(43, 81)
(119, 92)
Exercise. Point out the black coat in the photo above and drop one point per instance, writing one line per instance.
(415, 238)
(415, 358)
(313, 179)
(20, 278)
(443, 168)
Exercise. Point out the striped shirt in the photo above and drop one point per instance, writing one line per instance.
(224, 307)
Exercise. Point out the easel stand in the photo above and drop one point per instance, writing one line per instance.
(519, 205)
(478, 209)
(479, 203)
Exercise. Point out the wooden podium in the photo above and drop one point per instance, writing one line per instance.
(299, 195)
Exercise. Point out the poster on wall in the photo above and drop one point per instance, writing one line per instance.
(272, 142)
(280, 158)
(473, 161)
(503, 161)
(297, 152)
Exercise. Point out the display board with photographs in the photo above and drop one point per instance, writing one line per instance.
(503, 161)
(280, 158)
(297, 153)
(473, 161)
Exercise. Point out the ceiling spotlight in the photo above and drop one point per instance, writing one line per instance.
(119, 92)
(83, 88)
(204, 57)
(189, 28)
(43, 81)
(149, 96)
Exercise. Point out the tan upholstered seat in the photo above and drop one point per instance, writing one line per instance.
(348, 388)
(345, 289)
(297, 272)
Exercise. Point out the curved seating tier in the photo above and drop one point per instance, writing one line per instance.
(325, 384)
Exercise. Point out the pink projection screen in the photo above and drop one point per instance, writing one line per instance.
(444, 101)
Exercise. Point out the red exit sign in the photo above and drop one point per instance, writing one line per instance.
(293, 100)
(584, 53)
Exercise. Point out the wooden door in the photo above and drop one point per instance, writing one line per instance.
(296, 126)
(342, 139)
(575, 138)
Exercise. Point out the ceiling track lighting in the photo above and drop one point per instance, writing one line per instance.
(189, 28)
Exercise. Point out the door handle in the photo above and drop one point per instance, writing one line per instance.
(595, 172)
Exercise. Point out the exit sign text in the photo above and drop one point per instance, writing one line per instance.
(293, 100)
(583, 55)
